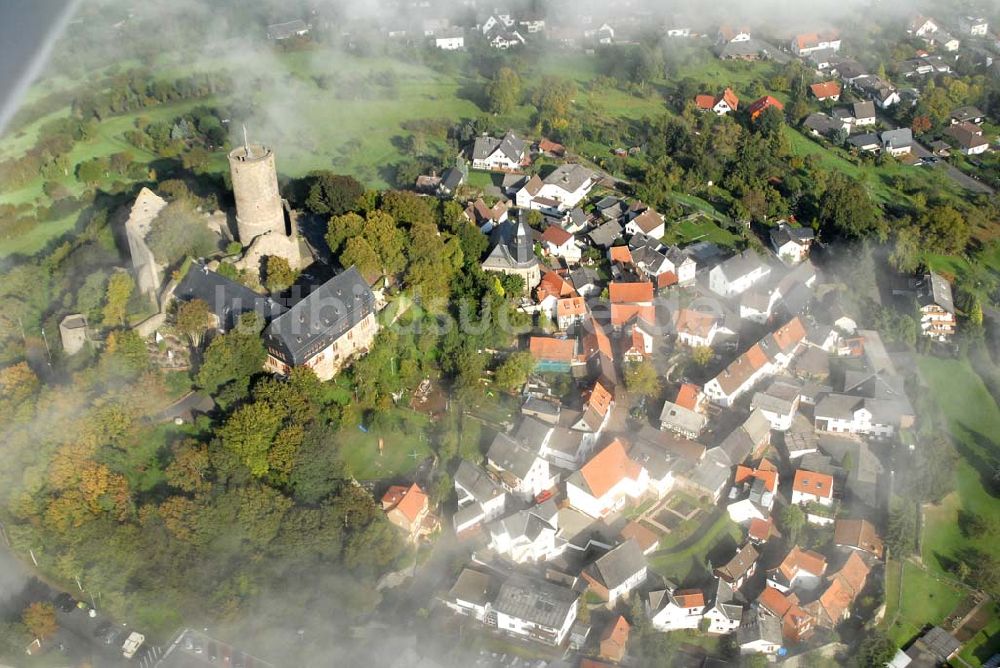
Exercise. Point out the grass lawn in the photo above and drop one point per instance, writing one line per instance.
(689, 563)
(984, 644)
(925, 600)
(700, 229)
(360, 452)
(974, 419)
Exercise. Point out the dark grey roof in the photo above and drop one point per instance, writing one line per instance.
(821, 123)
(653, 458)
(864, 109)
(541, 406)
(511, 456)
(511, 146)
(606, 234)
(583, 277)
(934, 289)
(741, 441)
(724, 600)
(612, 208)
(712, 472)
(897, 138)
(741, 265)
(287, 29)
(473, 586)
(838, 406)
(740, 564)
(784, 233)
(535, 601)
(966, 113)
(565, 440)
(477, 482)
(513, 247)
(569, 176)
(779, 398)
(322, 317)
(227, 299)
(452, 178)
(532, 432)
(752, 48)
(862, 140)
(757, 625)
(531, 522)
(618, 565)
(940, 643)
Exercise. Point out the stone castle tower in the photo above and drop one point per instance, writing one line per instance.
(259, 208)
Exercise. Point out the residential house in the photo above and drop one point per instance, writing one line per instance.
(857, 467)
(756, 487)
(570, 311)
(866, 142)
(763, 104)
(536, 609)
(507, 153)
(629, 301)
(673, 609)
(553, 355)
(721, 104)
(287, 30)
(560, 191)
(935, 647)
(324, 330)
(473, 595)
(737, 378)
(897, 142)
(967, 114)
(485, 217)
(681, 420)
(858, 534)
(557, 242)
(637, 345)
(758, 633)
(452, 40)
(569, 448)
(615, 574)
(822, 125)
(742, 566)
(779, 404)
(552, 287)
(695, 328)
(921, 26)
(796, 623)
(976, 26)
(738, 274)
(682, 264)
(843, 587)
(614, 641)
(606, 234)
(724, 611)
(409, 509)
(968, 137)
(762, 530)
(513, 254)
(480, 498)
(807, 43)
(811, 487)
(800, 570)
(827, 90)
(727, 34)
(598, 401)
(607, 482)
(528, 536)
(852, 414)
(879, 91)
(937, 307)
(791, 244)
(646, 221)
(519, 467)
(864, 113)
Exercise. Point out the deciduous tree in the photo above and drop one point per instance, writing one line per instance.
(120, 288)
(40, 618)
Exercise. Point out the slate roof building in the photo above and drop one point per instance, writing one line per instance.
(618, 572)
(535, 609)
(513, 253)
(507, 153)
(227, 300)
(325, 329)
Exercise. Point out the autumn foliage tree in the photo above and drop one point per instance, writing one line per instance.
(40, 619)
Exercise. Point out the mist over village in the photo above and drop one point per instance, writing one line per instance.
(538, 334)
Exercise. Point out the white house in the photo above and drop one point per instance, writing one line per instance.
(922, 26)
(647, 222)
(450, 41)
(937, 307)
(535, 609)
(520, 469)
(695, 328)
(807, 43)
(723, 612)
(759, 633)
(675, 609)
(791, 244)
(737, 378)
(472, 594)
(864, 113)
(508, 153)
(480, 498)
(897, 142)
(737, 274)
(557, 242)
(560, 191)
(800, 570)
(570, 311)
(975, 26)
(778, 403)
(849, 414)
(810, 487)
(607, 482)
(528, 535)
(618, 572)
(682, 264)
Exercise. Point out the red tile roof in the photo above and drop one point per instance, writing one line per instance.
(766, 102)
(825, 89)
(761, 529)
(731, 99)
(555, 235)
(666, 279)
(620, 254)
(630, 293)
(687, 396)
(798, 559)
(694, 322)
(554, 284)
(644, 537)
(544, 348)
(810, 482)
(774, 601)
(690, 598)
(704, 101)
(600, 398)
(412, 503)
(789, 335)
(571, 306)
(768, 475)
(609, 467)
(860, 534)
(623, 313)
(596, 339)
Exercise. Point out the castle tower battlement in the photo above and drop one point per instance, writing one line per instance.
(255, 185)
